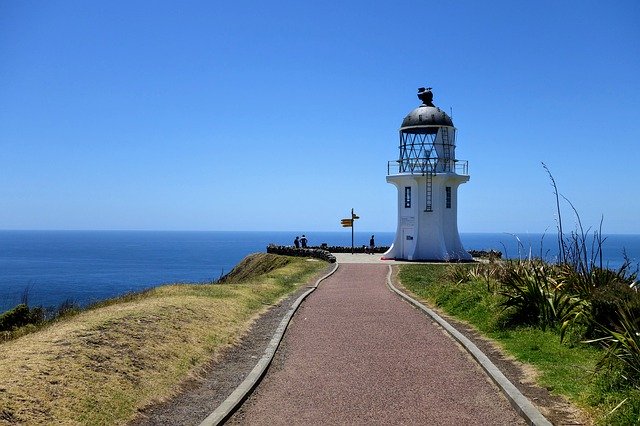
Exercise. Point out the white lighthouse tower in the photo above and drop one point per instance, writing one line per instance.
(427, 175)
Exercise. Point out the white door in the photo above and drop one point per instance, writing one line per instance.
(408, 243)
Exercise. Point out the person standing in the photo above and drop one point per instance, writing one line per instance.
(372, 244)
(296, 242)
(303, 241)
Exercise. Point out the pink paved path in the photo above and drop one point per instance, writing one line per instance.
(355, 353)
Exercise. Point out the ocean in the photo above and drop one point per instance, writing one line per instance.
(87, 266)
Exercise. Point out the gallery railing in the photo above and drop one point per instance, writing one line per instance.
(427, 165)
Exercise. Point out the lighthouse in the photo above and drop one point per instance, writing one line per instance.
(426, 176)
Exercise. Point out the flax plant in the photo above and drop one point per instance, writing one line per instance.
(536, 296)
(622, 345)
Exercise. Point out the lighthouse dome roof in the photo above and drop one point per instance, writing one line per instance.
(427, 116)
(424, 118)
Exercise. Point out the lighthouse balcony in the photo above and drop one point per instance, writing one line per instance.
(427, 165)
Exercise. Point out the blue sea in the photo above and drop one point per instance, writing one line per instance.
(88, 266)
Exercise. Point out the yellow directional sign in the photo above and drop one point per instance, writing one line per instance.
(346, 223)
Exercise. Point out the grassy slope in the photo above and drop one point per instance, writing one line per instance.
(100, 366)
(563, 369)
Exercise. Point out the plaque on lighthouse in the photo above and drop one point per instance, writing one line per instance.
(427, 175)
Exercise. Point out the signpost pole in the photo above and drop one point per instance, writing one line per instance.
(352, 223)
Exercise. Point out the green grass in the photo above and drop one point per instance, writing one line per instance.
(469, 301)
(564, 368)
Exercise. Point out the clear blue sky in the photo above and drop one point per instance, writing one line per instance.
(254, 115)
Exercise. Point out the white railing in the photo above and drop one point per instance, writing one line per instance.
(427, 165)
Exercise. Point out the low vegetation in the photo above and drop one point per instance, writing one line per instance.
(20, 316)
(579, 329)
(24, 319)
(103, 364)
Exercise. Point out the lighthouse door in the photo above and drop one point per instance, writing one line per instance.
(408, 243)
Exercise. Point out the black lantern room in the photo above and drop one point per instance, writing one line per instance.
(427, 138)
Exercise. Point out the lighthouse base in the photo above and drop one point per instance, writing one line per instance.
(427, 218)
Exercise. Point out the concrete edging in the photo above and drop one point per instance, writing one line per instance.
(233, 401)
(518, 401)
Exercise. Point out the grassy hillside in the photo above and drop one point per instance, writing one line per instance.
(102, 365)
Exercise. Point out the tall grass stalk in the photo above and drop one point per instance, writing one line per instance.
(560, 232)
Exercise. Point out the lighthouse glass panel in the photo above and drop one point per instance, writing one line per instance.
(407, 197)
(417, 153)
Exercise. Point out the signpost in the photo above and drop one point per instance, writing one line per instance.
(348, 223)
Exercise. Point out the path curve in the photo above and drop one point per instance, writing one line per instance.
(355, 353)
(229, 405)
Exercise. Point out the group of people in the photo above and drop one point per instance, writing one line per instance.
(300, 242)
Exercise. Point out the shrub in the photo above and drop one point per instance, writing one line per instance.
(606, 305)
(535, 297)
(525, 291)
(487, 272)
(20, 316)
(457, 273)
(622, 343)
(600, 292)
(23, 320)
(302, 252)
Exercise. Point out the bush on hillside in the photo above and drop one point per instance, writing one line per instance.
(20, 316)
(606, 303)
(302, 252)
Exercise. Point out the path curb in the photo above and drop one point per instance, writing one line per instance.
(518, 401)
(233, 401)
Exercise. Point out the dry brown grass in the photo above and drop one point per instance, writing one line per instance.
(101, 366)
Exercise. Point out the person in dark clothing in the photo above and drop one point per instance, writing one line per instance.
(303, 241)
(372, 244)
(296, 242)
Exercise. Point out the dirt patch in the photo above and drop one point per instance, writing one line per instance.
(555, 408)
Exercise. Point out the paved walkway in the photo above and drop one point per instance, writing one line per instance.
(365, 258)
(357, 354)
